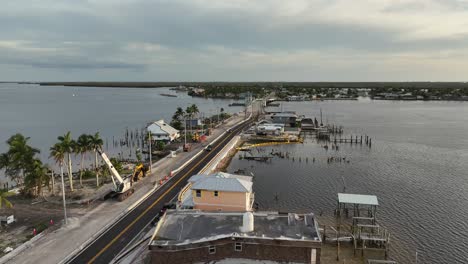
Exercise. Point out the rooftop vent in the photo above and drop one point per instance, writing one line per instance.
(248, 223)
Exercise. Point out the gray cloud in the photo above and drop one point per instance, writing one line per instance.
(170, 39)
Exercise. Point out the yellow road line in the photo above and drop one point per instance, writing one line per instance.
(149, 208)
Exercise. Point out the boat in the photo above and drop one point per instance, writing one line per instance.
(168, 95)
(237, 104)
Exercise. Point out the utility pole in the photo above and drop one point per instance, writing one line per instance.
(63, 194)
(150, 153)
(185, 130)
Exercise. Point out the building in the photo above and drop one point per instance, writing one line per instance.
(193, 123)
(296, 98)
(218, 192)
(161, 131)
(270, 129)
(307, 123)
(201, 237)
(288, 119)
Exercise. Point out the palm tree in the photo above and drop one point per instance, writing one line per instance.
(18, 158)
(96, 143)
(195, 109)
(3, 198)
(51, 177)
(67, 146)
(36, 177)
(178, 114)
(83, 145)
(58, 153)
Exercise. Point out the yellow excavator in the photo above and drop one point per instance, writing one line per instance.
(139, 172)
(196, 137)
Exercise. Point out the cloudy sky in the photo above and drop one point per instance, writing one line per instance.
(234, 40)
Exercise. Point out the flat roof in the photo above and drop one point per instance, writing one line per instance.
(185, 227)
(357, 199)
(283, 114)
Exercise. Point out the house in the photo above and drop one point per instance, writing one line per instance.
(307, 123)
(263, 121)
(218, 192)
(288, 119)
(243, 237)
(296, 98)
(270, 129)
(193, 123)
(161, 131)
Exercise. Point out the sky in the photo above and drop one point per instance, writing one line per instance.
(234, 40)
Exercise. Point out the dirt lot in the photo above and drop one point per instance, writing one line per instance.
(37, 213)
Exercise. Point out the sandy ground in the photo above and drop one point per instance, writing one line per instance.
(85, 220)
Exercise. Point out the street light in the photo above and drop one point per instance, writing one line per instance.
(150, 153)
(185, 130)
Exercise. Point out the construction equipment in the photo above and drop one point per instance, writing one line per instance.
(122, 186)
(196, 137)
(139, 172)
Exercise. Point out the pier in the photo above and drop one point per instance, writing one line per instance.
(353, 140)
(365, 232)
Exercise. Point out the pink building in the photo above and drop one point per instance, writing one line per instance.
(220, 192)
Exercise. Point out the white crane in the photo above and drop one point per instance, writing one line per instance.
(122, 186)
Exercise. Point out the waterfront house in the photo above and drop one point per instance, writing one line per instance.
(270, 129)
(307, 123)
(161, 131)
(235, 237)
(288, 119)
(296, 98)
(193, 123)
(218, 192)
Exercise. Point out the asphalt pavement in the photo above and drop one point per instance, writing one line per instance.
(114, 240)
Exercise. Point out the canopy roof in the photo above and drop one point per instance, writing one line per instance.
(357, 199)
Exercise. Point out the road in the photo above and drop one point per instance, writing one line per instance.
(114, 240)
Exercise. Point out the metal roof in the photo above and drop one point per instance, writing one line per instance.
(357, 199)
(284, 115)
(164, 127)
(222, 182)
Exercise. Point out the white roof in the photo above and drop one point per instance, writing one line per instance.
(165, 127)
(222, 182)
(357, 199)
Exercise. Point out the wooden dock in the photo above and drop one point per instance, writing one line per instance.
(353, 140)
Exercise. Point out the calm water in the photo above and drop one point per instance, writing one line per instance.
(45, 112)
(417, 167)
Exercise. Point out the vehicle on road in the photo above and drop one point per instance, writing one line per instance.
(209, 148)
(187, 147)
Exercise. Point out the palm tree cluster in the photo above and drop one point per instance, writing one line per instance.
(66, 146)
(180, 115)
(23, 167)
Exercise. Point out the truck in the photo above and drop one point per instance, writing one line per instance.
(187, 147)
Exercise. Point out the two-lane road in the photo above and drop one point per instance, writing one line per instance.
(114, 240)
